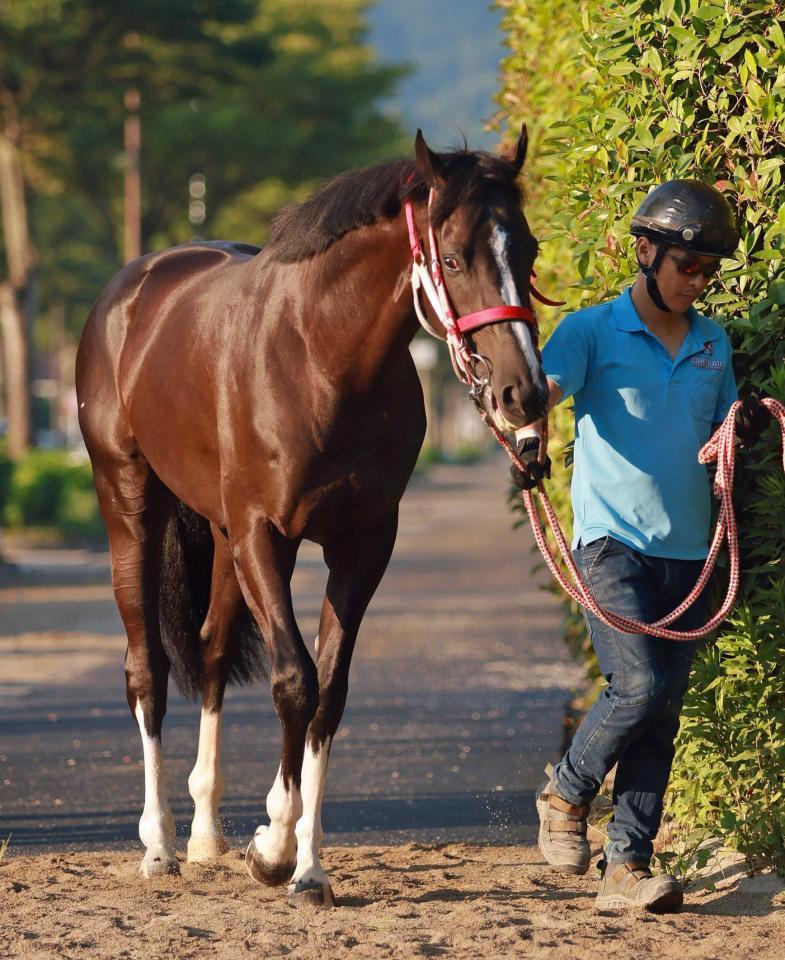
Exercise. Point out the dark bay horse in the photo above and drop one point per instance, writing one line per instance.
(236, 401)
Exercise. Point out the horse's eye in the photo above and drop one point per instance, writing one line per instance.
(452, 263)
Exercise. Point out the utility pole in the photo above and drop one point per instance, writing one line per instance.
(132, 233)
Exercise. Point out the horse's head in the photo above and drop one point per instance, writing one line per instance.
(487, 252)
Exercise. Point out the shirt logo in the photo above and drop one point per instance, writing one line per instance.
(707, 362)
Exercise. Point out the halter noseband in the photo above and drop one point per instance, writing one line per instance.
(431, 281)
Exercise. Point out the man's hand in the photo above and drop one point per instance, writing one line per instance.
(752, 418)
(527, 451)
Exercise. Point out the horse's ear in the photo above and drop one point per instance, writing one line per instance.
(519, 155)
(429, 163)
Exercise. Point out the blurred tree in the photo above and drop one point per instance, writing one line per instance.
(261, 99)
(64, 66)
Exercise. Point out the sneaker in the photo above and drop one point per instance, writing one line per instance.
(562, 837)
(625, 885)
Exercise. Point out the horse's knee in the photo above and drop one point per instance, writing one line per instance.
(295, 690)
(146, 681)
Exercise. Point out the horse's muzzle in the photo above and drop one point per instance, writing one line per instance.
(521, 403)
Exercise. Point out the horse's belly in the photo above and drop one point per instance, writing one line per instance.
(355, 502)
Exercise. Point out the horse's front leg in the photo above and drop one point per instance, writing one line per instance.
(264, 561)
(356, 566)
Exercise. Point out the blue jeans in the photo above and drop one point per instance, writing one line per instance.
(635, 719)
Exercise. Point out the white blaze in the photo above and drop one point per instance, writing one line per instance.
(509, 294)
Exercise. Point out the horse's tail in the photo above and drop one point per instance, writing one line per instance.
(184, 599)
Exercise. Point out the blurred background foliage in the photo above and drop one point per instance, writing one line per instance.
(453, 51)
(262, 99)
(645, 91)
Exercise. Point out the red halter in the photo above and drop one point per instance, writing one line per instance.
(471, 321)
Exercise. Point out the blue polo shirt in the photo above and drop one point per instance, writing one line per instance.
(640, 420)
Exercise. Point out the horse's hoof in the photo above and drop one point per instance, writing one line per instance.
(159, 866)
(263, 872)
(306, 893)
(201, 849)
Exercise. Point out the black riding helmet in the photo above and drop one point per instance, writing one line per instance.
(687, 214)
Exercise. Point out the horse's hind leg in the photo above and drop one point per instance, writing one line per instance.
(206, 781)
(135, 506)
(356, 566)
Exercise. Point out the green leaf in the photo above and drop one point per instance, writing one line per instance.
(708, 11)
(776, 34)
(729, 50)
(776, 292)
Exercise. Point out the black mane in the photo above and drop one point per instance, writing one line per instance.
(361, 197)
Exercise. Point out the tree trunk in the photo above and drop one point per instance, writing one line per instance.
(15, 291)
(16, 361)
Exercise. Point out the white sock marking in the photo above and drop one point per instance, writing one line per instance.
(277, 843)
(309, 826)
(206, 782)
(156, 826)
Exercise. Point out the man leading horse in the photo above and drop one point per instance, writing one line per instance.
(650, 378)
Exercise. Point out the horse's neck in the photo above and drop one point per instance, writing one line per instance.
(367, 304)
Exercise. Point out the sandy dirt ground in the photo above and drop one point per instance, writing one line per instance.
(456, 701)
(408, 901)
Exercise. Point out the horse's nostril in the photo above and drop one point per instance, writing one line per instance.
(508, 396)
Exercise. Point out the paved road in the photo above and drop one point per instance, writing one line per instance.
(458, 686)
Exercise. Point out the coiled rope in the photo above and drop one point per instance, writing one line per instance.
(720, 448)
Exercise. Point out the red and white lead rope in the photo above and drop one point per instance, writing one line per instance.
(722, 448)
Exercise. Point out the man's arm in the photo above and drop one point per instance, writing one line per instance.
(555, 394)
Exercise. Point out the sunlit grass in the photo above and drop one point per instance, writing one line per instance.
(4, 846)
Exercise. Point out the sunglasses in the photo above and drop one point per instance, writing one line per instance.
(691, 268)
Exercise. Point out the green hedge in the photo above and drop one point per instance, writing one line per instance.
(542, 99)
(50, 489)
(656, 89)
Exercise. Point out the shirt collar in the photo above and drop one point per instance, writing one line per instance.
(626, 318)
